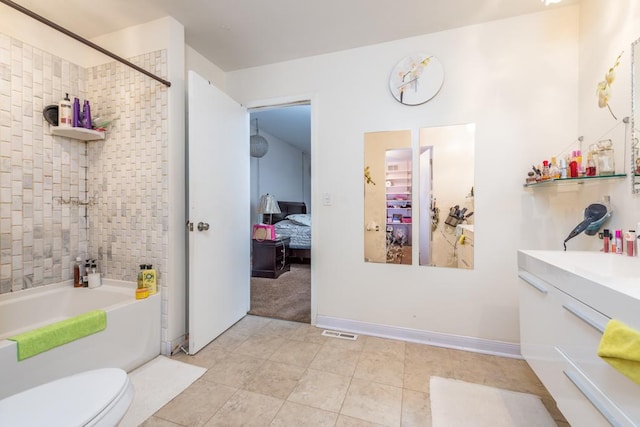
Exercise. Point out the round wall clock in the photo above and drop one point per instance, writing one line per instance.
(416, 79)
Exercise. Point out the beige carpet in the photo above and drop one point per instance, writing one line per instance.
(155, 384)
(288, 297)
(456, 403)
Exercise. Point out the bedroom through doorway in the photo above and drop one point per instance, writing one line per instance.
(281, 206)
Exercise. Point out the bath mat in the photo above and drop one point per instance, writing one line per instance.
(155, 384)
(457, 403)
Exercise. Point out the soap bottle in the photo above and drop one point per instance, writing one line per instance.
(64, 112)
(150, 280)
(85, 274)
(77, 273)
(86, 115)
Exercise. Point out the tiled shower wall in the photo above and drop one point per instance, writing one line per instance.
(127, 173)
(42, 178)
(45, 179)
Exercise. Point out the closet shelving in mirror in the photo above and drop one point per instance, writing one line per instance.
(579, 180)
(82, 134)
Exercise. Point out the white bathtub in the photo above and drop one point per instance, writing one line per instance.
(131, 338)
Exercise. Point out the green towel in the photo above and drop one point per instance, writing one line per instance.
(620, 347)
(42, 339)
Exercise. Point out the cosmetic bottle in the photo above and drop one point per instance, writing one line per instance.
(77, 273)
(591, 165)
(94, 277)
(76, 113)
(563, 168)
(605, 237)
(573, 167)
(64, 112)
(618, 241)
(545, 170)
(86, 115)
(578, 160)
(554, 170)
(629, 240)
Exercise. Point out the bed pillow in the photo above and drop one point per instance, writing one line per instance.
(300, 219)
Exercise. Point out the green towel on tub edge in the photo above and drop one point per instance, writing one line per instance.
(620, 347)
(42, 339)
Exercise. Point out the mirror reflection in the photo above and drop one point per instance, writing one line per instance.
(388, 197)
(447, 196)
(438, 215)
(635, 116)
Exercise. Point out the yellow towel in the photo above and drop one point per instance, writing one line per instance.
(59, 333)
(620, 347)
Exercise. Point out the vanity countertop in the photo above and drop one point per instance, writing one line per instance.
(606, 280)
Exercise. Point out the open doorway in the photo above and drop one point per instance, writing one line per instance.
(281, 197)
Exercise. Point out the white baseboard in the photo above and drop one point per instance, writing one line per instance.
(458, 342)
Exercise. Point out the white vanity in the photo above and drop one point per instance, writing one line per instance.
(566, 300)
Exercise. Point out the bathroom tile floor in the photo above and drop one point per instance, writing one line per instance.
(271, 372)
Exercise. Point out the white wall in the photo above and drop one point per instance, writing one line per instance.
(201, 65)
(605, 31)
(280, 172)
(516, 79)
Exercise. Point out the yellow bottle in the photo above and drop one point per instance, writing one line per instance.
(149, 279)
(141, 291)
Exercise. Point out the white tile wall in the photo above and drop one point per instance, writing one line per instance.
(124, 176)
(127, 173)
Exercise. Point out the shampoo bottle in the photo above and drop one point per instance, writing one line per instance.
(65, 113)
(77, 119)
(86, 115)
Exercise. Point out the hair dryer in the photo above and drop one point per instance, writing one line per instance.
(594, 216)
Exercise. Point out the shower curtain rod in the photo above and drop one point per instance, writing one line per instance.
(83, 40)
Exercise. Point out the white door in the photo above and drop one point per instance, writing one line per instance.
(218, 181)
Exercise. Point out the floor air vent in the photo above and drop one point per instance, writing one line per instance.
(343, 335)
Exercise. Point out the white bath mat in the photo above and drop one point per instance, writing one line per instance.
(457, 403)
(156, 383)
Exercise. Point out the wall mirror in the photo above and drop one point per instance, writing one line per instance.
(437, 215)
(635, 116)
(388, 206)
(446, 196)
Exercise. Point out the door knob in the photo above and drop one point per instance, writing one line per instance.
(203, 226)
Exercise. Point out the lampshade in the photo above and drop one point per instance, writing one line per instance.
(268, 205)
(258, 144)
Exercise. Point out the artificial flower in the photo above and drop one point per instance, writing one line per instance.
(604, 86)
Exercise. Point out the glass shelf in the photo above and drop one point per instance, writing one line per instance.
(580, 180)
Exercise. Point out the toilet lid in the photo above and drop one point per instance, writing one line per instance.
(69, 401)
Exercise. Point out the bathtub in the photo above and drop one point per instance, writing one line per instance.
(131, 338)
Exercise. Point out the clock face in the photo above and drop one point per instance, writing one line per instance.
(416, 79)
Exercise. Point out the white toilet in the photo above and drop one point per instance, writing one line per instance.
(99, 397)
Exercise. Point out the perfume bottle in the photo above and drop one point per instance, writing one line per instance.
(591, 165)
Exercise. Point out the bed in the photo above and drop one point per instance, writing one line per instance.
(295, 223)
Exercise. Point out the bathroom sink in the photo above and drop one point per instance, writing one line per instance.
(615, 271)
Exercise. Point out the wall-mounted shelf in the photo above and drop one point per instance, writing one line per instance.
(77, 133)
(580, 180)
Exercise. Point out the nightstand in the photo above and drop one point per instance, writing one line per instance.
(270, 258)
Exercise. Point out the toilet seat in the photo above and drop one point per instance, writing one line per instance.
(99, 397)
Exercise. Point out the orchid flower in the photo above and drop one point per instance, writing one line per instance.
(605, 85)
